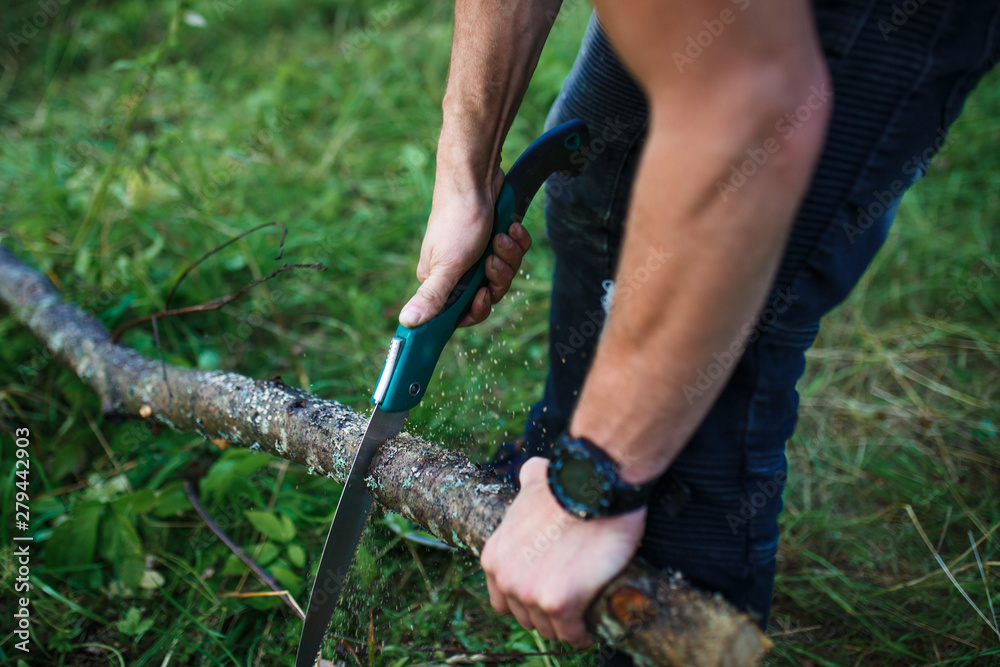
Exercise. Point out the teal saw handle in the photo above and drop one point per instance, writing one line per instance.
(414, 352)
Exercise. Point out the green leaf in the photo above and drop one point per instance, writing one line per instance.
(280, 529)
(133, 624)
(69, 459)
(231, 475)
(296, 555)
(120, 545)
(233, 566)
(291, 581)
(112, 313)
(268, 552)
(171, 500)
(74, 540)
(139, 502)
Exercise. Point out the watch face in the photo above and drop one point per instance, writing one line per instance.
(580, 482)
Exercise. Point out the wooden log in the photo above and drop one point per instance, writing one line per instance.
(659, 619)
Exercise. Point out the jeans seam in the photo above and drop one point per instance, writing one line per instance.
(852, 41)
(608, 259)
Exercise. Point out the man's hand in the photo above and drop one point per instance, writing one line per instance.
(495, 48)
(546, 566)
(458, 230)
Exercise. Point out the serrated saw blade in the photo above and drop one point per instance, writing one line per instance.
(345, 533)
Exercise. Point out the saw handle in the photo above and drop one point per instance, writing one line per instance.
(416, 351)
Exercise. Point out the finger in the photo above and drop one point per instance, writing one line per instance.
(497, 600)
(499, 274)
(572, 632)
(520, 613)
(508, 250)
(480, 310)
(428, 300)
(520, 234)
(534, 471)
(542, 623)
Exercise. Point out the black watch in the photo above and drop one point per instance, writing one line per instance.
(584, 480)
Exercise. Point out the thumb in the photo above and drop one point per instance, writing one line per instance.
(428, 300)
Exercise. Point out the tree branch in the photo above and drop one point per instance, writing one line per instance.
(658, 619)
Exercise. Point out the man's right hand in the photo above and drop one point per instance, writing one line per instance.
(458, 230)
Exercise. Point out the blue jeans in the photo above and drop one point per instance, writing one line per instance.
(901, 72)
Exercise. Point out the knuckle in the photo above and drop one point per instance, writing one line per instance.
(552, 602)
(505, 583)
(430, 293)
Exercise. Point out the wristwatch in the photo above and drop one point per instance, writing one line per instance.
(585, 481)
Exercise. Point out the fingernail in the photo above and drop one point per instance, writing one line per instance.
(505, 241)
(409, 316)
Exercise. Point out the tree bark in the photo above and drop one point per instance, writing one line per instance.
(659, 619)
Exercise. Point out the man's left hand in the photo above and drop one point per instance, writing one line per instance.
(546, 566)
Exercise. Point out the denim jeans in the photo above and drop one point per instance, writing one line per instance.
(901, 72)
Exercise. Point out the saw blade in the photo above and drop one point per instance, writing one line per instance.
(345, 534)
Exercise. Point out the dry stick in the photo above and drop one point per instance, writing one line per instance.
(213, 304)
(658, 619)
(194, 265)
(286, 597)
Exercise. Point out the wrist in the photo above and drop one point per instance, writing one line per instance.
(637, 464)
(466, 161)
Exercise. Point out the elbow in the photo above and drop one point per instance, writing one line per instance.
(798, 121)
(770, 114)
(760, 127)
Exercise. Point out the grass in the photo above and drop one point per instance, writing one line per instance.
(134, 139)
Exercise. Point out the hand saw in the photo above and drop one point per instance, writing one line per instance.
(408, 368)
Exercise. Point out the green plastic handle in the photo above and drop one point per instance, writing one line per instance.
(415, 352)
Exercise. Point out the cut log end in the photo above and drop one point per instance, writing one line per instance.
(666, 621)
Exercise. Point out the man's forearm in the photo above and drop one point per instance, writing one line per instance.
(697, 262)
(495, 48)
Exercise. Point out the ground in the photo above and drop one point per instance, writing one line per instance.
(137, 136)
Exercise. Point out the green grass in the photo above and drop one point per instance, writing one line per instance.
(323, 116)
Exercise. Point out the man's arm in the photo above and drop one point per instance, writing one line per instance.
(495, 48)
(723, 243)
(717, 252)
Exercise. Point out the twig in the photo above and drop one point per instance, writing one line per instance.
(189, 269)
(264, 576)
(214, 304)
(497, 655)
